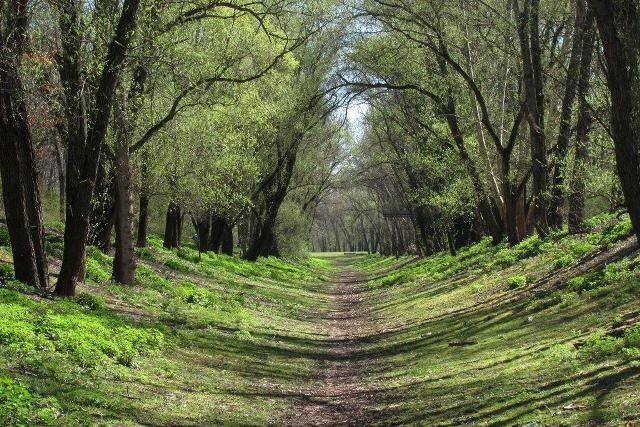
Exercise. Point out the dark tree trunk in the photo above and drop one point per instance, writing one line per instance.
(576, 195)
(17, 157)
(85, 132)
(124, 262)
(103, 209)
(203, 227)
(60, 166)
(264, 241)
(619, 26)
(530, 49)
(173, 226)
(143, 212)
(217, 229)
(571, 83)
(227, 240)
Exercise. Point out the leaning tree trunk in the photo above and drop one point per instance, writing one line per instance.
(17, 158)
(619, 26)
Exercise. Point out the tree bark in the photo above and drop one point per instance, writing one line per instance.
(17, 157)
(619, 25)
(227, 240)
(217, 229)
(530, 50)
(576, 197)
(173, 226)
(143, 211)
(86, 133)
(562, 146)
(124, 261)
(203, 228)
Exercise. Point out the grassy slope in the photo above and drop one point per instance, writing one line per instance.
(524, 367)
(200, 341)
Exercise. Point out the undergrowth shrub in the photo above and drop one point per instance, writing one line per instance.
(599, 346)
(517, 281)
(4, 237)
(6, 271)
(531, 246)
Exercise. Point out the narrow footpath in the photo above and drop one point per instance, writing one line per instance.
(340, 394)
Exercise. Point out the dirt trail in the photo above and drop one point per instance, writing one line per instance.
(340, 395)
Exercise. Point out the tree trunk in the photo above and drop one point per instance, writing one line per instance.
(576, 195)
(571, 83)
(103, 209)
(85, 132)
(124, 262)
(62, 179)
(530, 49)
(143, 212)
(20, 191)
(619, 26)
(227, 240)
(217, 229)
(173, 226)
(203, 228)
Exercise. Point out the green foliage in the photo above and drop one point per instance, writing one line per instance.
(4, 237)
(517, 281)
(292, 231)
(54, 244)
(632, 336)
(529, 247)
(599, 346)
(95, 272)
(90, 301)
(77, 332)
(16, 403)
(6, 271)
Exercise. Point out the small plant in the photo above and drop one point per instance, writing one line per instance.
(92, 302)
(632, 337)
(6, 271)
(4, 237)
(569, 299)
(95, 272)
(586, 282)
(517, 281)
(599, 346)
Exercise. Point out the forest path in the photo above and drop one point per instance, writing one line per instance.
(340, 394)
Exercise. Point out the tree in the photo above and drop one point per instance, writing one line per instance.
(619, 25)
(20, 191)
(86, 127)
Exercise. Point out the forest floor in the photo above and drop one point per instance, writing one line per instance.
(543, 333)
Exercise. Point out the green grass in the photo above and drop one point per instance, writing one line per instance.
(524, 368)
(202, 339)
